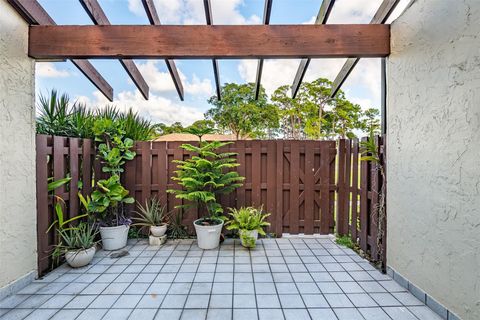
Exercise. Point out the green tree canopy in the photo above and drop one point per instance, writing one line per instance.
(239, 113)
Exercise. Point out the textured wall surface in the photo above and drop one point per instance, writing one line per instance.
(17, 150)
(434, 151)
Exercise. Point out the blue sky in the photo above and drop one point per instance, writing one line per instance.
(363, 85)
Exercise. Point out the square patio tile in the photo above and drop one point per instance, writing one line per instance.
(79, 302)
(361, 300)
(174, 301)
(243, 288)
(92, 314)
(150, 301)
(241, 301)
(219, 314)
(41, 314)
(198, 301)
(143, 314)
(399, 313)
(117, 314)
(322, 314)
(385, 299)
(347, 314)
(127, 301)
(170, 314)
(269, 314)
(266, 301)
(221, 301)
(291, 301)
(245, 314)
(103, 301)
(373, 314)
(315, 301)
(194, 314)
(338, 300)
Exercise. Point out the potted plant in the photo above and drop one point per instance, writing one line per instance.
(77, 244)
(203, 177)
(249, 222)
(109, 197)
(152, 215)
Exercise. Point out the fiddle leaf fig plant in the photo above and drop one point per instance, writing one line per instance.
(109, 196)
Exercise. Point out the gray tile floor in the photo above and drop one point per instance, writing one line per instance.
(288, 278)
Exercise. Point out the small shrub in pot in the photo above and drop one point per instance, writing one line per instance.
(77, 244)
(249, 222)
(153, 216)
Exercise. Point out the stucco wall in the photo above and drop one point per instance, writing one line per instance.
(434, 151)
(17, 150)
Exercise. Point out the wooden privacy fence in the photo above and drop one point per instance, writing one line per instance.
(358, 198)
(293, 180)
(296, 181)
(59, 157)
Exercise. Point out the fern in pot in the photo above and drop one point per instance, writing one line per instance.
(249, 222)
(151, 215)
(78, 244)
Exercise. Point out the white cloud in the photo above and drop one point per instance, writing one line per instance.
(193, 12)
(161, 82)
(157, 108)
(49, 70)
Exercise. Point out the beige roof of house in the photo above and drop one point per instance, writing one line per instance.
(192, 137)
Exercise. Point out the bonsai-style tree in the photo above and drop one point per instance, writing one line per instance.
(205, 176)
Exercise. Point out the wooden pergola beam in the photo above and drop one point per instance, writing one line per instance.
(322, 18)
(266, 20)
(208, 42)
(384, 11)
(34, 13)
(96, 13)
(216, 72)
(172, 68)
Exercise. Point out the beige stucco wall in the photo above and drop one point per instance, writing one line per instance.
(433, 114)
(17, 150)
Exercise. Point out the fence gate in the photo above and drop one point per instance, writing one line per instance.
(293, 180)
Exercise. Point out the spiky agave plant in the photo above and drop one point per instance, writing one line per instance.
(136, 127)
(54, 114)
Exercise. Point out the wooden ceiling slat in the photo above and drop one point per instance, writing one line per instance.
(209, 19)
(266, 20)
(34, 13)
(384, 11)
(207, 42)
(322, 18)
(96, 13)
(172, 69)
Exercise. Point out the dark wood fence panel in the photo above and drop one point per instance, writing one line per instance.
(305, 185)
(359, 185)
(285, 177)
(59, 157)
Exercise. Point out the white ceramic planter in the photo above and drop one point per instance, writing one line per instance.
(80, 258)
(248, 238)
(158, 231)
(114, 238)
(208, 237)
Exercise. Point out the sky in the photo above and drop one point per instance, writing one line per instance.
(164, 105)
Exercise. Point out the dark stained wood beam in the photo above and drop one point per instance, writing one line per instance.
(266, 20)
(384, 11)
(322, 18)
(207, 42)
(209, 19)
(172, 69)
(96, 13)
(34, 14)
